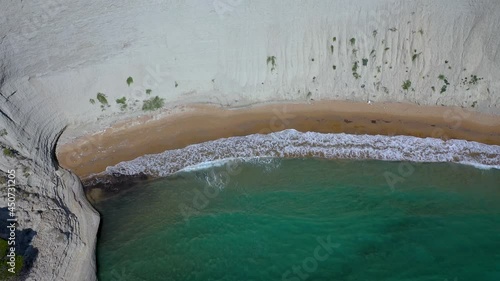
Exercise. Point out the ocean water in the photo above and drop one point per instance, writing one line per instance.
(306, 219)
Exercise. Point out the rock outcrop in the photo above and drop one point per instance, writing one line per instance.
(49, 200)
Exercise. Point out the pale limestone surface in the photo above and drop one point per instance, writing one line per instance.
(57, 55)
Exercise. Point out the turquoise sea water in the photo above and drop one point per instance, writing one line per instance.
(306, 219)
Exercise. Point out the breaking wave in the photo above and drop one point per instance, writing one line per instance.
(294, 144)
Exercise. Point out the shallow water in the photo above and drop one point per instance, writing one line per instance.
(306, 219)
(294, 144)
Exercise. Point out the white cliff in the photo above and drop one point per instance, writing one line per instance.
(55, 56)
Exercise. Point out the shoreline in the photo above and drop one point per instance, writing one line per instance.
(124, 141)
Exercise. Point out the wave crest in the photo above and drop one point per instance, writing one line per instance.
(293, 144)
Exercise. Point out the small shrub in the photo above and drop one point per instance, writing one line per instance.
(331, 48)
(9, 152)
(445, 80)
(92, 101)
(3, 132)
(474, 104)
(415, 56)
(148, 91)
(353, 41)
(153, 104)
(474, 80)
(355, 66)
(406, 85)
(365, 62)
(122, 102)
(334, 39)
(334, 67)
(272, 61)
(386, 49)
(446, 83)
(393, 29)
(130, 80)
(102, 98)
(375, 33)
(355, 70)
(176, 84)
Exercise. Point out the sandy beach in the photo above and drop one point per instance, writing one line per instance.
(125, 141)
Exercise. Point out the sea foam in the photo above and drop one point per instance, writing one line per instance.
(294, 144)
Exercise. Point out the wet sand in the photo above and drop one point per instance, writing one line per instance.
(128, 140)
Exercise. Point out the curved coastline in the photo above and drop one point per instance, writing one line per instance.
(293, 144)
(384, 131)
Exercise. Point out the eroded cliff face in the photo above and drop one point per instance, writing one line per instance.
(56, 56)
(49, 200)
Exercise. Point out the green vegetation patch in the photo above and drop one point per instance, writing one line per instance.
(153, 104)
(353, 41)
(355, 67)
(122, 102)
(130, 80)
(446, 83)
(5, 268)
(474, 80)
(406, 85)
(103, 100)
(415, 56)
(271, 60)
(9, 152)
